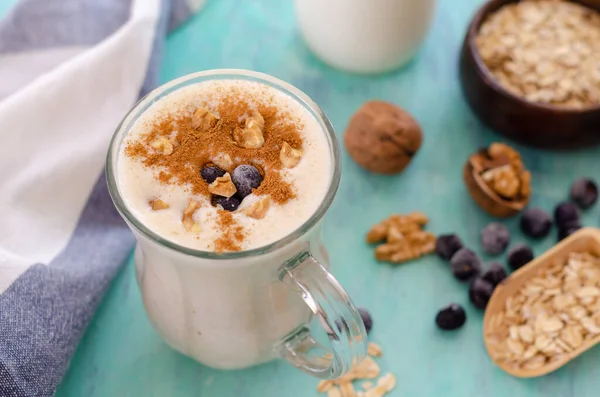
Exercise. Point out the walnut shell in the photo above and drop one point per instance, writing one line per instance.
(382, 137)
(483, 195)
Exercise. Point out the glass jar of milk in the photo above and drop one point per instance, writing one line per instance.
(364, 36)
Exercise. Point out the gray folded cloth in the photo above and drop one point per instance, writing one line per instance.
(70, 70)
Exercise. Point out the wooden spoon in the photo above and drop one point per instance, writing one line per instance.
(584, 240)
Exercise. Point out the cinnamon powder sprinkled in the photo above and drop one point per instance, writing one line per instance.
(233, 234)
(195, 149)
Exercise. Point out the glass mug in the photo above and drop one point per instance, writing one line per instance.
(237, 309)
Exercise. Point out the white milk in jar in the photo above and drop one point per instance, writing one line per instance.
(364, 36)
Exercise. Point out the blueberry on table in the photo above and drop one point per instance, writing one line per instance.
(245, 178)
(229, 204)
(446, 245)
(566, 213)
(495, 238)
(584, 192)
(519, 255)
(451, 317)
(494, 274)
(367, 319)
(465, 264)
(211, 172)
(535, 223)
(565, 232)
(480, 292)
(364, 315)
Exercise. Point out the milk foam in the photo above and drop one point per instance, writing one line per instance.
(310, 178)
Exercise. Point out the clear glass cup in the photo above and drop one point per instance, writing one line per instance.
(238, 309)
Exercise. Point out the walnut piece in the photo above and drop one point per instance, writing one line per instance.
(162, 145)
(412, 246)
(499, 150)
(368, 369)
(251, 135)
(382, 137)
(223, 161)
(174, 141)
(258, 210)
(203, 119)
(525, 190)
(497, 180)
(399, 223)
(223, 186)
(503, 180)
(188, 217)
(289, 156)
(503, 171)
(158, 204)
(404, 238)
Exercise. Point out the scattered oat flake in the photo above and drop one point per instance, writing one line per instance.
(347, 389)
(334, 392)
(384, 385)
(374, 350)
(368, 369)
(324, 386)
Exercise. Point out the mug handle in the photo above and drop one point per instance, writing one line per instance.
(337, 315)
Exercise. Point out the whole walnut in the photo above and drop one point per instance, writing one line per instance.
(382, 137)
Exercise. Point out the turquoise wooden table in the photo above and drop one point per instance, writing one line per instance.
(122, 356)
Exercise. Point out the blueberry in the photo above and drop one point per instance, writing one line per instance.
(211, 172)
(584, 192)
(565, 213)
(367, 319)
(245, 178)
(536, 223)
(451, 317)
(494, 274)
(228, 204)
(465, 264)
(495, 238)
(446, 245)
(480, 292)
(519, 255)
(364, 315)
(341, 324)
(566, 231)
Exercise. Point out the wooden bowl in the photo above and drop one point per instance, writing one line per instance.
(530, 123)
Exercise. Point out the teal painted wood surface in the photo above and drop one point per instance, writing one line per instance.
(5, 6)
(121, 355)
